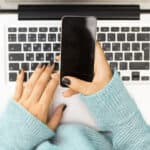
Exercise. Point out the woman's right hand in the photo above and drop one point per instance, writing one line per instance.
(102, 75)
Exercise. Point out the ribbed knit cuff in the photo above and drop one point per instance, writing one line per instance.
(112, 105)
(22, 129)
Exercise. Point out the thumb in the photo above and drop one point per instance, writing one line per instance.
(76, 84)
(56, 117)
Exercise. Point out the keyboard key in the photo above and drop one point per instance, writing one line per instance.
(52, 37)
(59, 37)
(126, 46)
(56, 47)
(29, 56)
(121, 37)
(114, 29)
(22, 37)
(143, 37)
(135, 29)
(116, 46)
(145, 29)
(22, 29)
(139, 65)
(12, 29)
(16, 57)
(32, 37)
(123, 66)
(125, 29)
(33, 66)
(43, 29)
(114, 65)
(39, 56)
(36, 47)
(27, 47)
(12, 76)
(128, 56)
(135, 76)
(130, 37)
(14, 66)
(125, 78)
(12, 37)
(111, 37)
(118, 56)
(146, 49)
(97, 29)
(25, 66)
(101, 37)
(109, 56)
(106, 46)
(53, 29)
(145, 78)
(47, 47)
(14, 47)
(32, 29)
(42, 37)
(104, 29)
(137, 56)
(135, 46)
(50, 57)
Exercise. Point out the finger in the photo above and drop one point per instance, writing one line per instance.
(76, 84)
(69, 92)
(48, 94)
(19, 86)
(41, 84)
(31, 83)
(57, 58)
(100, 62)
(57, 116)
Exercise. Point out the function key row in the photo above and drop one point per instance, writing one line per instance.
(34, 29)
(123, 29)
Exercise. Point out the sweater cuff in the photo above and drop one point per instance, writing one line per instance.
(22, 128)
(112, 105)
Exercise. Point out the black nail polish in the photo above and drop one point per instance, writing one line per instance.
(51, 63)
(66, 81)
(65, 106)
(19, 71)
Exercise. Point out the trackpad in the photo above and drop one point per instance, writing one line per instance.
(76, 111)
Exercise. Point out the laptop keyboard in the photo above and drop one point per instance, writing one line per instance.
(127, 49)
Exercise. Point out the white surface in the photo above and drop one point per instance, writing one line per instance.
(145, 4)
(76, 110)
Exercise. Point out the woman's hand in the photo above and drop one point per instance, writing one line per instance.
(102, 75)
(37, 95)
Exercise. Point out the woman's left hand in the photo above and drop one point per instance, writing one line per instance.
(37, 94)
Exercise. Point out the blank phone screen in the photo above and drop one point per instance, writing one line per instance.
(78, 47)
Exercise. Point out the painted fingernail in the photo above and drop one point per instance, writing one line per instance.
(51, 63)
(65, 106)
(20, 71)
(66, 81)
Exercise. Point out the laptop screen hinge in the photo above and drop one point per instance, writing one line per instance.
(107, 12)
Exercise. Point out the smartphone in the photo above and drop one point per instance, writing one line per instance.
(78, 47)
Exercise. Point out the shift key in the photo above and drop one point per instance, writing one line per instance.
(16, 57)
(139, 65)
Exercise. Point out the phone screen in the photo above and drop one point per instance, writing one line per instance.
(78, 47)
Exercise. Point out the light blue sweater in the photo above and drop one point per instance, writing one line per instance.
(118, 118)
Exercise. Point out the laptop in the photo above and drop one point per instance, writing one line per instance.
(30, 33)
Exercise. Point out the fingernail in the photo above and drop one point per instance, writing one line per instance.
(40, 65)
(51, 63)
(20, 71)
(66, 81)
(65, 106)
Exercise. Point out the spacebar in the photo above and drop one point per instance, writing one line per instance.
(139, 65)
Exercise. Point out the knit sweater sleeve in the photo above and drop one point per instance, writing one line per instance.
(20, 130)
(115, 111)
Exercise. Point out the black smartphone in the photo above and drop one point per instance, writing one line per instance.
(78, 47)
